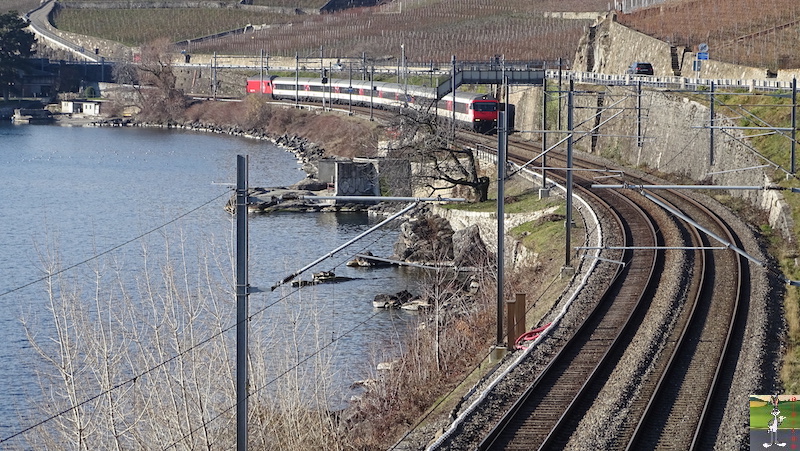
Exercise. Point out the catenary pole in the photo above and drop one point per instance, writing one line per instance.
(241, 302)
(502, 142)
(794, 125)
(570, 127)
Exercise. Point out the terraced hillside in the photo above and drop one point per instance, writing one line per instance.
(759, 33)
(429, 29)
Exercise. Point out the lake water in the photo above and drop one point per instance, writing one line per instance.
(83, 191)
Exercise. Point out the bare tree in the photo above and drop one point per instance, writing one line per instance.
(144, 360)
(161, 101)
(444, 164)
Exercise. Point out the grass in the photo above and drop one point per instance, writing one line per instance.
(761, 415)
(518, 200)
(545, 237)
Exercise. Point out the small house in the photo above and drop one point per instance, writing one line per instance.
(81, 107)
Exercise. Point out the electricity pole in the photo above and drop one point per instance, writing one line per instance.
(242, 288)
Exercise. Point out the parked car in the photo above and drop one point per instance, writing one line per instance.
(640, 69)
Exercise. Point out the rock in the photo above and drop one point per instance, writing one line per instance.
(392, 300)
(425, 239)
(310, 184)
(468, 248)
(364, 261)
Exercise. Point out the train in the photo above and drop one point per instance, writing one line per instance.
(472, 110)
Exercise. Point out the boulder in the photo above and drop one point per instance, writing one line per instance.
(469, 250)
(425, 239)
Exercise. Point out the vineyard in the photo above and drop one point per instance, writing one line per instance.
(429, 30)
(21, 6)
(134, 27)
(304, 4)
(759, 33)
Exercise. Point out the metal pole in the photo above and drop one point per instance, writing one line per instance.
(544, 133)
(296, 79)
(639, 114)
(350, 88)
(214, 77)
(371, 90)
(453, 93)
(559, 98)
(570, 126)
(502, 142)
(261, 71)
(241, 302)
(330, 88)
(711, 130)
(351, 241)
(794, 123)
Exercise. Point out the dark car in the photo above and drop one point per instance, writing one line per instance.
(640, 69)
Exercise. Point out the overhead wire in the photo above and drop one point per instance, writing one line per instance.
(114, 248)
(276, 378)
(192, 348)
(141, 374)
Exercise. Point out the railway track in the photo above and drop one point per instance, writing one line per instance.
(587, 354)
(662, 370)
(693, 381)
(696, 346)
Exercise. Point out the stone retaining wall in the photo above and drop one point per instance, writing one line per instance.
(517, 255)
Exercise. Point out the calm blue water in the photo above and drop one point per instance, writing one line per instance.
(82, 191)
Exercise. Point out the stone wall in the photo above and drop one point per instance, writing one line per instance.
(610, 48)
(676, 137)
(517, 255)
(677, 141)
(100, 47)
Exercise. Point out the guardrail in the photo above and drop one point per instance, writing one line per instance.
(671, 83)
(38, 20)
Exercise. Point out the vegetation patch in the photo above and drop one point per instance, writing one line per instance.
(546, 235)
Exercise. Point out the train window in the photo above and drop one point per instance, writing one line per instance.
(484, 106)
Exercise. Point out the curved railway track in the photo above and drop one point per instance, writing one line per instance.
(588, 353)
(679, 400)
(675, 395)
(692, 383)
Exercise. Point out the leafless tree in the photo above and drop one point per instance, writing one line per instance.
(161, 101)
(144, 359)
(443, 164)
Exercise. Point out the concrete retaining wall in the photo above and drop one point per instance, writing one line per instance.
(101, 47)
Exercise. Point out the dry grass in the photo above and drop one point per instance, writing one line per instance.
(340, 136)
